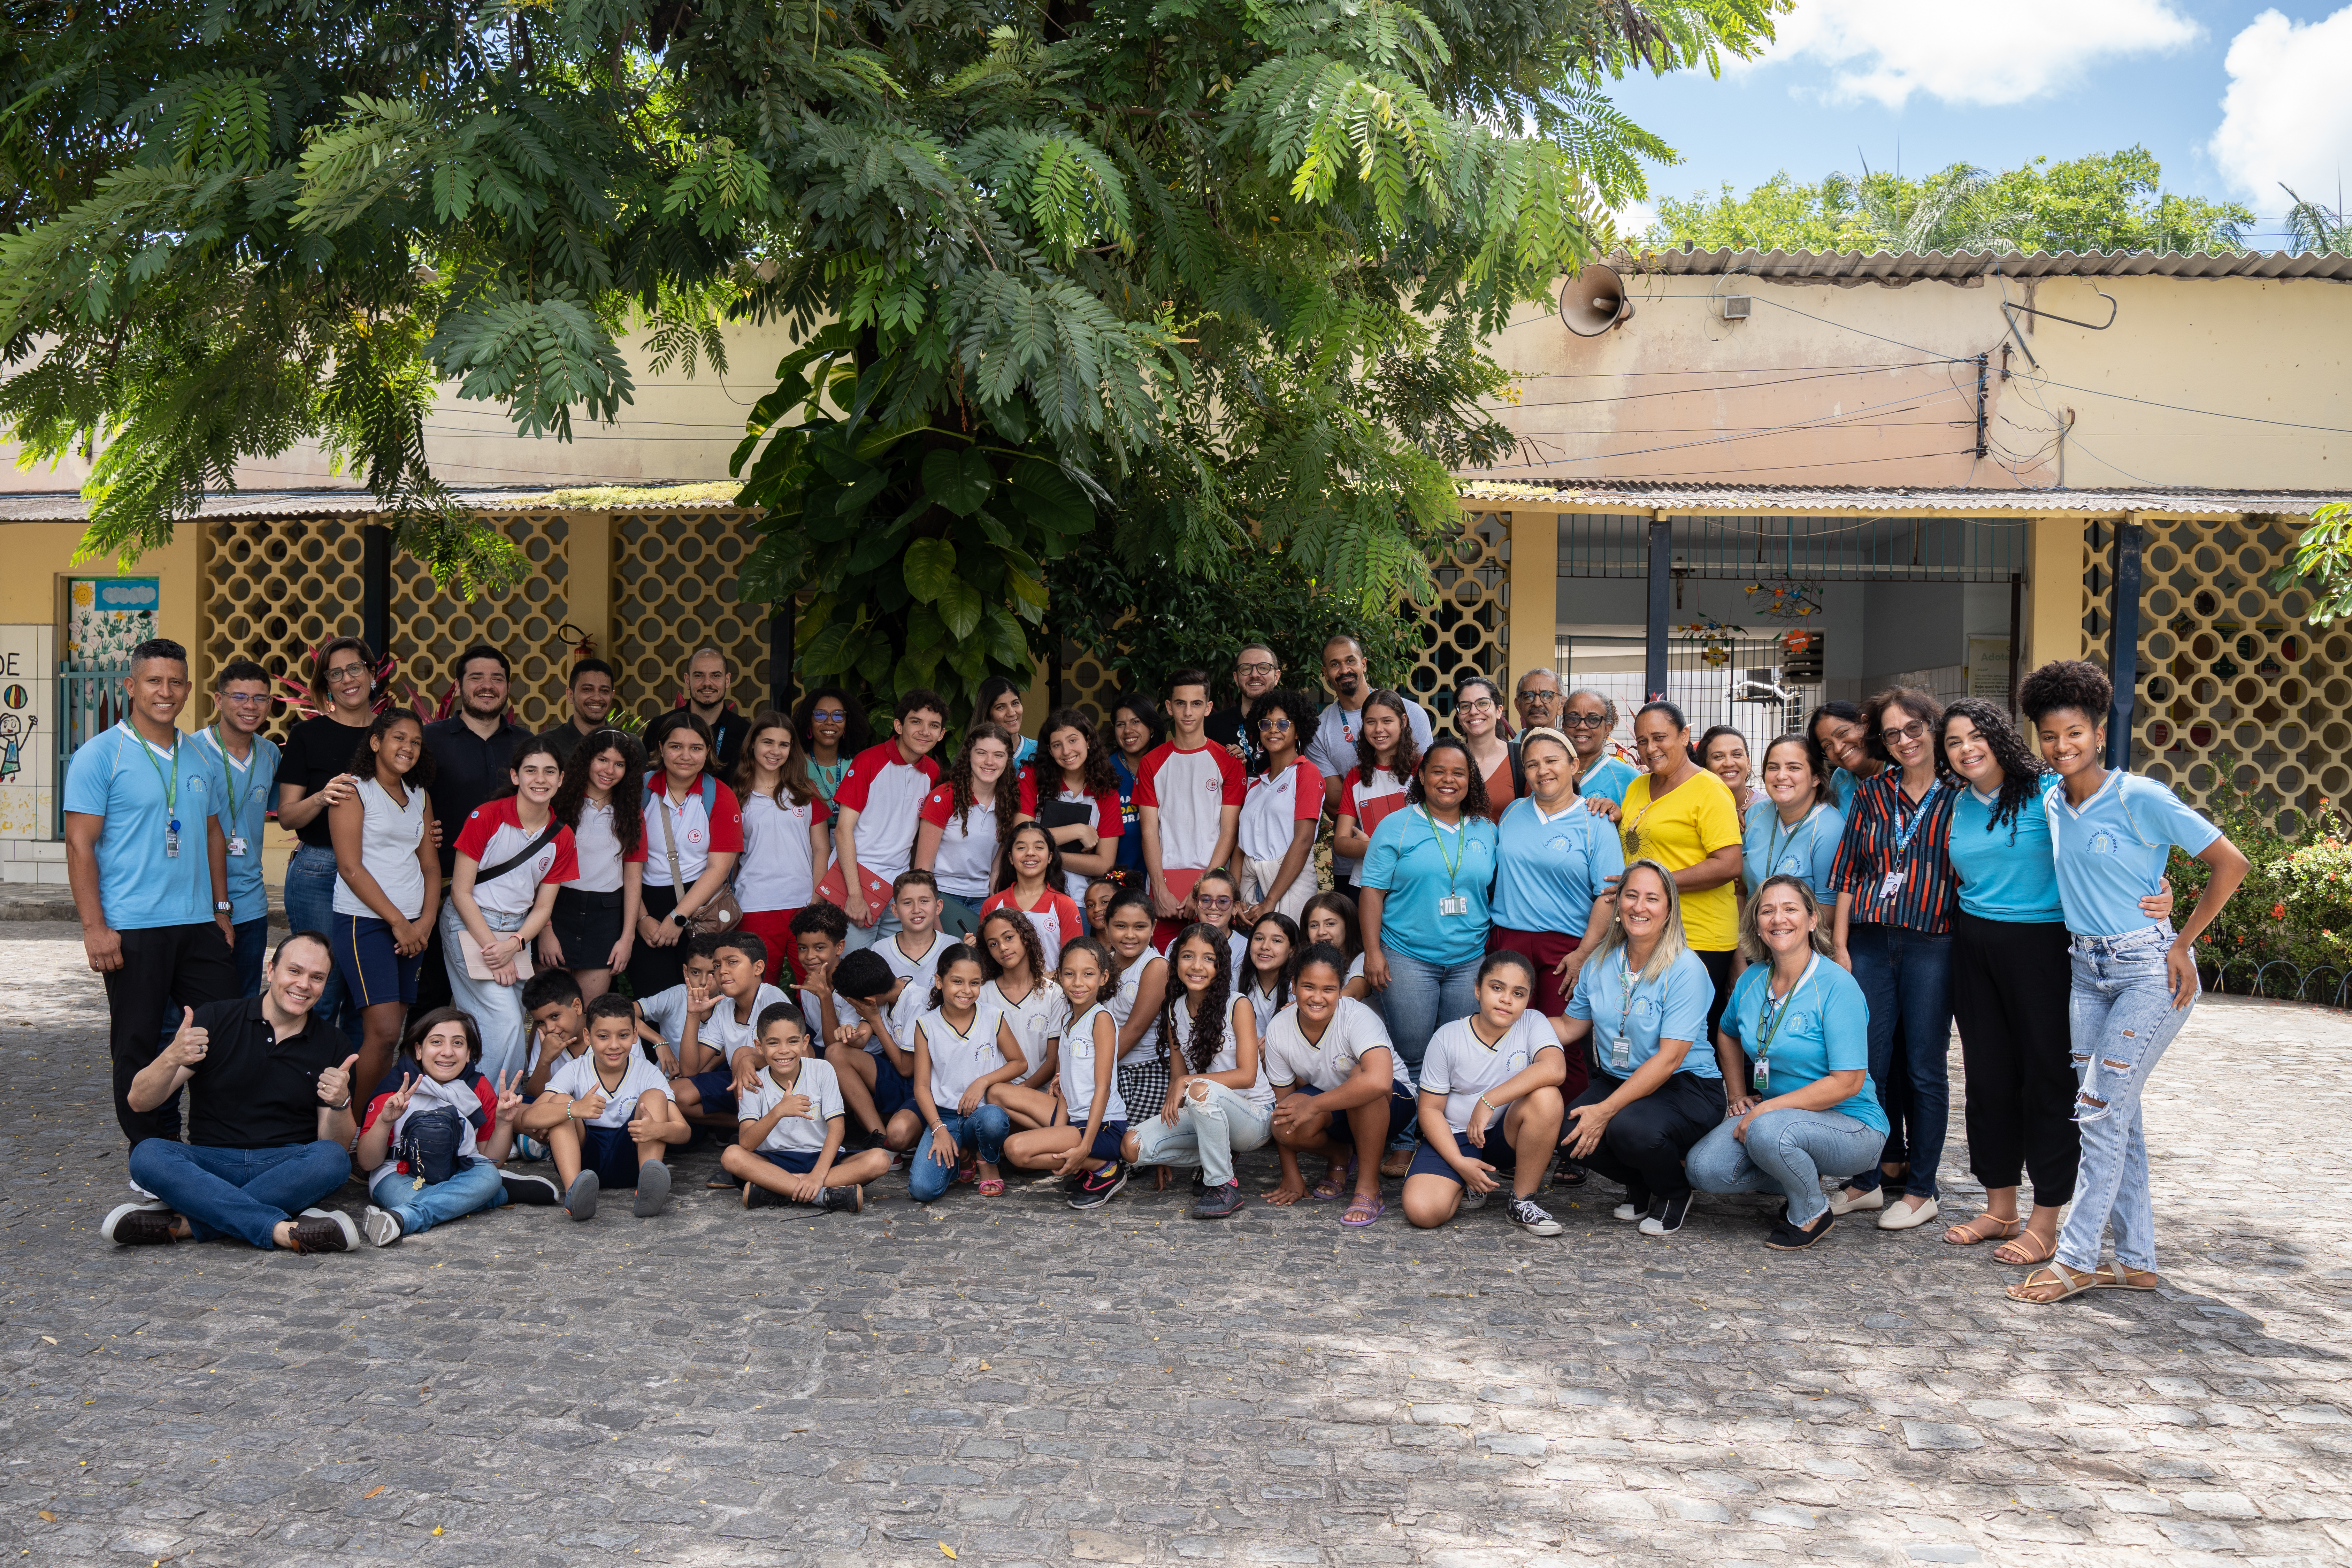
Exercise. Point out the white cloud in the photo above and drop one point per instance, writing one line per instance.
(1634, 219)
(1991, 52)
(2287, 116)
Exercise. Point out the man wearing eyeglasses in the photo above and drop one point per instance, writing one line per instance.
(1256, 671)
(245, 763)
(1537, 699)
(1587, 721)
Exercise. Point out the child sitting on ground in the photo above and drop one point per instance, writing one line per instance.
(608, 1117)
(716, 1043)
(435, 1133)
(1085, 1146)
(790, 1140)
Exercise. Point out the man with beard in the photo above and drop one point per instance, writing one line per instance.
(706, 679)
(1256, 671)
(1333, 749)
(590, 692)
(469, 751)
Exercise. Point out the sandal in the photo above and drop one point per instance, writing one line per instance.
(1363, 1212)
(992, 1188)
(1984, 1227)
(1396, 1162)
(2116, 1276)
(2025, 1247)
(2073, 1283)
(1336, 1185)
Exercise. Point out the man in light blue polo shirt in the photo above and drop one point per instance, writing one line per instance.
(149, 866)
(245, 765)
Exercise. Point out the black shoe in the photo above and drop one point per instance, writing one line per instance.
(1200, 1184)
(1787, 1237)
(1636, 1204)
(850, 1200)
(756, 1196)
(530, 1191)
(1666, 1215)
(1100, 1186)
(321, 1233)
(653, 1189)
(137, 1224)
(1216, 1203)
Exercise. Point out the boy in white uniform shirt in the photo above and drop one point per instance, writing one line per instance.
(1329, 1059)
(716, 1046)
(1490, 1102)
(792, 1126)
(914, 950)
(606, 1116)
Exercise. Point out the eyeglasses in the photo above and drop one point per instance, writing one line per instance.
(1584, 721)
(1542, 697)
(342, 672)
(1261, 668)
(828, 716)
(1206, 904)
(1915, 731)
(1477, 705)
(246, 698)
(1274, 724)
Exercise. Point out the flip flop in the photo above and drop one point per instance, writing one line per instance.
(1363, 1212)
(2041, 1278)
(1984, 1227)
(2025, 1247)
(2112, 1277)
(993, 1187)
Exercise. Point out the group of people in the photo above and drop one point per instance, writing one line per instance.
(1099, 951)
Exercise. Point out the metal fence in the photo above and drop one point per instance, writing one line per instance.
(89, 703)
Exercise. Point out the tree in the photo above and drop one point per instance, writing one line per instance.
(2311, 226)
(2101, 201)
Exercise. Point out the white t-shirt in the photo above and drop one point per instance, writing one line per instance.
(777, 870)
(816, 1079)
(1190, 790)
(1078, 1071)
(966, 853)
(699, 833)
(1331, 1061)
(1036, 1018)
(1122, 1004)
(597, 849)
(388, 836)
(492, 835)
(1461, 1067)
(1275, 804)
(916, 971)
(1228, 1056)
(577, 1077)
(959, 1058)
(721, 1032)
(666, 1011)
(1261, 1006)
(431, 1094)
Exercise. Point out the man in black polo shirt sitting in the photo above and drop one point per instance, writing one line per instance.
(269, 1123)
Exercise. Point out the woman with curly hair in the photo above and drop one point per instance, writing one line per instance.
(1219, 1103)
(1423, 900)
(1685, 818)
(2133, 979)
(832, 731)
(963, 824)
(1273, 839)
(602, 800)
(1069, 786)
(1386, 760)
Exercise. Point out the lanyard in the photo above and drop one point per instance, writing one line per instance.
(238, 792)
(1461, 846)
(1621, 1051)
(1772, 1016)
(172, 784)
(1775, 843)
(1919, 815)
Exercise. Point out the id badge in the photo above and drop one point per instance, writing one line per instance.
(1890, 884)
(172, 842)
(1454, 904)
(236, 848)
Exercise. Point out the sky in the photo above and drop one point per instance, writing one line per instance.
(2231, 97)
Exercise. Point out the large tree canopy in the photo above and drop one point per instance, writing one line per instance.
(1222, 267)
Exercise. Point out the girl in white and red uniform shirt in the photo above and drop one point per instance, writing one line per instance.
(786, 840)
(1072, 777)
(702, 817)
(962, 823)
(1386, 759)
(603, 801)
(1026, 886)
(512, 855)
(1273, 844)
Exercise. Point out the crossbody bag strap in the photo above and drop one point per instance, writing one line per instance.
(669, 845)
(491, 873)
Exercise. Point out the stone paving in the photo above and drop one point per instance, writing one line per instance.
(1010, 1381)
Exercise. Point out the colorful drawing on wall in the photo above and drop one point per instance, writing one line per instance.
(14, 732)
(106, 617)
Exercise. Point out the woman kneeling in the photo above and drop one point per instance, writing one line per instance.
(1811, 1110)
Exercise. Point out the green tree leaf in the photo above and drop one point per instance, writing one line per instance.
(960, 609)
(959, 481)
(930, 570)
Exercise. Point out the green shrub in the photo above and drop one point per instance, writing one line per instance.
(2288, 931)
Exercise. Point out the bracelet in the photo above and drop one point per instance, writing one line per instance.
(1490, 1105)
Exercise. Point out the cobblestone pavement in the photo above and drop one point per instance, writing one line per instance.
(1012, 1381)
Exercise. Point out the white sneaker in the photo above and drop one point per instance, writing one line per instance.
(383, 1227)
(1627, 1212)
(1530, 1217)
(1903, 1217)
(145, 1199)
(1873, 1199)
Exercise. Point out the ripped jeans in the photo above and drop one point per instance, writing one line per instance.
(2121, 1017)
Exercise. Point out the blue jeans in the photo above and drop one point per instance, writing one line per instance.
(1907, 977)
(1213, 1124)
(1423, 995)
(2122, 1018)
(310, 906)
(477, 1187)
(982, 1132)
(252, 951)
(1788, 1152)
(243, 1193)
(863, 937)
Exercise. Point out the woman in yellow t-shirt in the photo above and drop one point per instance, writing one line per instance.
(1683, 817)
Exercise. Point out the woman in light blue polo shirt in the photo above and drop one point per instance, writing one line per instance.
(1809, 1109)
(1642, 1000)
(1792, 829)
(2132, 979)
(1422, 894)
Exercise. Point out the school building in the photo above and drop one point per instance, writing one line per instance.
(1748, 480)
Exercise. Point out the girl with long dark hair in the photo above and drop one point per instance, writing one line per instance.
(1071, 788)
(964, 822)
(1218, 1101)
(603, 801)
(787, 839)
(1386, 760)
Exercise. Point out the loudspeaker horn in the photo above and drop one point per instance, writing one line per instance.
(1593, 302)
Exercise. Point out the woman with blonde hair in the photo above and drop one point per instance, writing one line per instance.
(1642, 999)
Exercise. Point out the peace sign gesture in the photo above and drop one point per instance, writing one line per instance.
(397, 1106)
(509, 1087)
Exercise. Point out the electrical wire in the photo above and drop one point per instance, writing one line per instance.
(1697, 390)
(1825, 422)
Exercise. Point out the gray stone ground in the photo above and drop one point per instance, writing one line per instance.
(1011, 1382)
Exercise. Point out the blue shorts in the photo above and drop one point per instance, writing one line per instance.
(1404, 1106)
(894, 1091)
(372, 971)
(1107, 1138)
(1498, 1153)
(799, 1161)
(717, 1088)
(612, 1153)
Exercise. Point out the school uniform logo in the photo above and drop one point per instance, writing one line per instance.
(1646, 1009)
(1556, 846)
(2103, 843)
(1517, 1062)
(694, 835)
(1213, 784)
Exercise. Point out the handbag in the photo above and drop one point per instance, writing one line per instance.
(721, 912)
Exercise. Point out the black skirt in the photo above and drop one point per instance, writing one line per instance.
(587, 924)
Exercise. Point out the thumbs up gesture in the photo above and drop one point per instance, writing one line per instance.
(188, 1046)
(335, 1083)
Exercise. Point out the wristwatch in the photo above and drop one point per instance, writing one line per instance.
(678, 917)
(222, 907)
